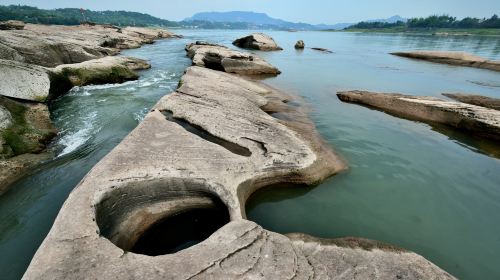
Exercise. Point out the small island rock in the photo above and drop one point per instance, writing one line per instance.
(257, 41)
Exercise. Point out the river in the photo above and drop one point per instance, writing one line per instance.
(427, 189)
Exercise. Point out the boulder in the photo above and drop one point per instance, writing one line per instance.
(473, 119)
(479, 100)
(11, 25)
(204, 149)
(300, 45)
(224, 59)
(452, 58)
(257, 41)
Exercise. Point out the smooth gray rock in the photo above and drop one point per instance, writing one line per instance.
(452, 58)
(469, 118)
(300, 44)
(257, 41)
(224, 59)
(163, 167)
(479, 100)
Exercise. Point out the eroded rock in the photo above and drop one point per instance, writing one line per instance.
(53, 45)
(479, 100)
(111, 69)
(11, 25)
(257, 41)
(221, 58)
(452, 58)
(176, 160)
(469, 118)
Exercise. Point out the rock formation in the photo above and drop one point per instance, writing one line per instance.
(224, 59)
(11, 25)
(202, 151)
(322, 50)
(469, 118)
(479, 100)
(452, 58)
(257, 41)
(52, 45)
(300, 44)
(25, 129)
(25, 55)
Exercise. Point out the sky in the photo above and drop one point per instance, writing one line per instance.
(309, 11)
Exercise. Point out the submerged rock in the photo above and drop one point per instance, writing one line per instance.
(469, 118)
(322, 50)
(300, 44)
(257, 41)
(479, 100)
(11, 25)
(452, 58)
(221, 58)
(52, 45)
(204, 149)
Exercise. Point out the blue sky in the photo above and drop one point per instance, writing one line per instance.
(310, 11)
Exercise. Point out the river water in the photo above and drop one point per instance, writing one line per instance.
(427, 189)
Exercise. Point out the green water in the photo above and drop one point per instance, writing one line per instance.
(409, 185)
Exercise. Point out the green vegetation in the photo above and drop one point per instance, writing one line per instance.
(444, 24)
(73, 16)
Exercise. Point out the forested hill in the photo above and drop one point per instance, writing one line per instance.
(72, 16)
(435, 21)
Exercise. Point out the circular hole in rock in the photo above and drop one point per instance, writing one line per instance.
(158, 218)
(180, 231)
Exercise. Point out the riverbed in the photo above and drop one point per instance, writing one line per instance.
(427, 189)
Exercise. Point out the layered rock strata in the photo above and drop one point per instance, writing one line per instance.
(221, 58)
(469, 118)
(203, 150)
(473, 99)
(452, 58)
(257, 41)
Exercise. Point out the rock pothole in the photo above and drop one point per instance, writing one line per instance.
(160, 218)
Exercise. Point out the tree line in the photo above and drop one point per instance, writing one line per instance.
(73, 16)
(435, 21)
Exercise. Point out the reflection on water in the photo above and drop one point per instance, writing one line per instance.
(407, 184)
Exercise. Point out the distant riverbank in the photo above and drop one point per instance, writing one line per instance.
(430, 31)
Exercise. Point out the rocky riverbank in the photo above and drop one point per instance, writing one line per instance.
(197, 156)
(39, 63)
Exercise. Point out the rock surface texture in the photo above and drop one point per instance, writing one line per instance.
(80, 57)
(469, 118)
(300, 45)
(479, 100)
(212, 139)
(257, 41)
(11, 25)
(52, 45)
(452, 58)
(225, 59)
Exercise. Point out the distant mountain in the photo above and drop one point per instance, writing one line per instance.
(252, 20)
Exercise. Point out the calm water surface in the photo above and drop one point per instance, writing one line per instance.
(409, 185)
